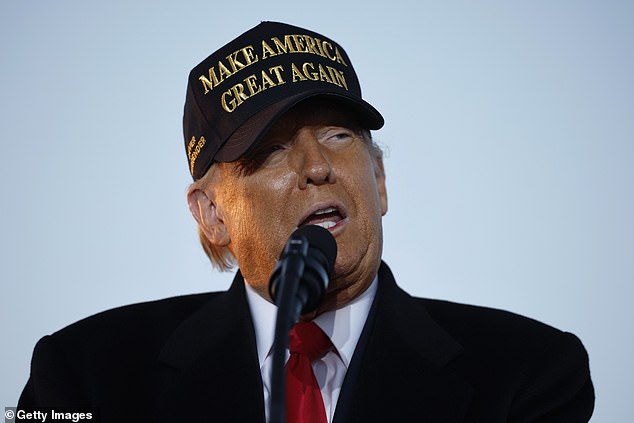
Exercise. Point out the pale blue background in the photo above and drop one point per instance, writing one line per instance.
(510, 131)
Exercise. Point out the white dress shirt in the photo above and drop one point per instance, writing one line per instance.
(342, 326)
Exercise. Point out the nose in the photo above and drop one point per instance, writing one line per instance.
(314, 167)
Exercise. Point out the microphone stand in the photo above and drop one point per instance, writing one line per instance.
(298, 285)
(287, 315)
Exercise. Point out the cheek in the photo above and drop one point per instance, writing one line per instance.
(362, 189)
(278, 184)
(365, 190)
(266, 203)
(255, 210)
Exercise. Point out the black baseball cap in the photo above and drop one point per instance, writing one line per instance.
(237, 93)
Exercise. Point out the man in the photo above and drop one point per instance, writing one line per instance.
(278, 137)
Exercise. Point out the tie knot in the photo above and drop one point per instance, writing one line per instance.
(307, 338)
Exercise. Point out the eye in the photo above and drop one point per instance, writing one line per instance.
(268, 149)
(341, 136)
(337, 136)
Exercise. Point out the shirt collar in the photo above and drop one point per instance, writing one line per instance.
(343, 326)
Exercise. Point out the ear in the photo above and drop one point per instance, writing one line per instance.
(379, 174)
(206, 214)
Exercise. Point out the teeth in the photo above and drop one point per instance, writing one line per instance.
(328, 210)
(327, 224)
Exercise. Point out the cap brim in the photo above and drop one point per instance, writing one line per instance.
(253, 129)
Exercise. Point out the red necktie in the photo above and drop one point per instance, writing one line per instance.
(304, 403)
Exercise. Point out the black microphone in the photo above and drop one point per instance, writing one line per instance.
(306, 261)
(297, 286)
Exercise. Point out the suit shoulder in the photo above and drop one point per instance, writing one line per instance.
(545, 369)
(141, 321)
(481, 326)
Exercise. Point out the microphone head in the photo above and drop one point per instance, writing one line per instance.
(304, 268)
(320, 239)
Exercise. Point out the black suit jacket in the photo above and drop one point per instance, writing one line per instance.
(194, 359)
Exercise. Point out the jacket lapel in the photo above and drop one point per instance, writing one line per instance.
(399, 369)
(208, 369)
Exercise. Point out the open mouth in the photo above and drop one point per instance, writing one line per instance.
(327, 217)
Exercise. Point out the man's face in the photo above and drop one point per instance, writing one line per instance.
(313, 167)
